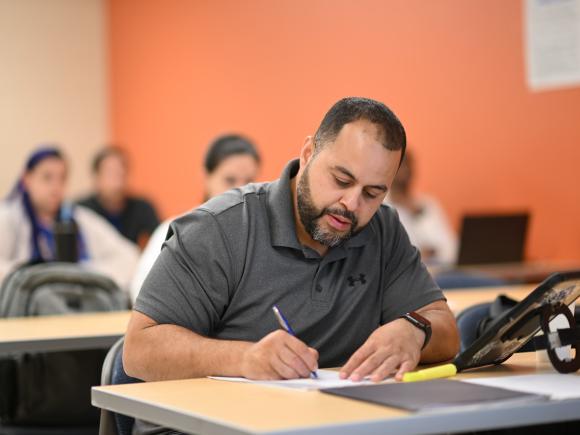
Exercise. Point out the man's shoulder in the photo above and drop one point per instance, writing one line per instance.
(228, 202)
(385, 227)
(228, 211)
(386, 215)
(223, 222)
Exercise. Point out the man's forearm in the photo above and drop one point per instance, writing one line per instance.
(444, 343)
(162, 352)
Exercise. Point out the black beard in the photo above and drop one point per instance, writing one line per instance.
(309, 216)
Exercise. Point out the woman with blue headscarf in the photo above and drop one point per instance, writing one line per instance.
(29, 214)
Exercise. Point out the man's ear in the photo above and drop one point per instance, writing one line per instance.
(307, 151)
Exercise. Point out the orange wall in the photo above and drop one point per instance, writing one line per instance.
(185, 71)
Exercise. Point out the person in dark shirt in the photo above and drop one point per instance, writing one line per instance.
(134, 217)
(319, 244)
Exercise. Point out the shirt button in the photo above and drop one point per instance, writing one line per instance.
(318, 288)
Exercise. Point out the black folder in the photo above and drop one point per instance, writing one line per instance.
(437, 394)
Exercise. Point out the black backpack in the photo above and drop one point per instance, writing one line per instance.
(53, 388)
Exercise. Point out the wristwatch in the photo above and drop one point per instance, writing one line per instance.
(420, 322)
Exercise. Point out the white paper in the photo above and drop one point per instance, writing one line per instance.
(552, 40)
(326, 379)
(556, 385)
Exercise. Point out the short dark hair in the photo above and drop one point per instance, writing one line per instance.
(109, 150)
(352, 109)
(228, 145)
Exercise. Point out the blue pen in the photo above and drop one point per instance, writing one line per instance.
(286, 327)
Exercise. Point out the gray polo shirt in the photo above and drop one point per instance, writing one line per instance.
(227, 262)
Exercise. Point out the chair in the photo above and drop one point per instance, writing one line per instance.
(113, 373)
(468, 322)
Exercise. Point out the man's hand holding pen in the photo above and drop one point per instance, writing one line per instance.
(279, 355)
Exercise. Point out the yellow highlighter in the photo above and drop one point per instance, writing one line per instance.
(443, 371)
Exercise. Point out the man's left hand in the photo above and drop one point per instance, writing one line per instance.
(394, 347)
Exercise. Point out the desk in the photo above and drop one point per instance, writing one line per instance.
(206, 406)
(459, 299)
(56, 333)
(514, 273)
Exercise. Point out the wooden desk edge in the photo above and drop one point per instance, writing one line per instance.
(80, 342)
(162, 415)
(451, 419)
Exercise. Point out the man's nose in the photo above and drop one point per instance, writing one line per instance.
(350, 199)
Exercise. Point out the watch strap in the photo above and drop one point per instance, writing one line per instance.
(420, 322)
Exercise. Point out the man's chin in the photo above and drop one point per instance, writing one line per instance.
(333, 237)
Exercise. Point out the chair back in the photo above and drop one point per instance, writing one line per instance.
(113, 373)
(469, 321)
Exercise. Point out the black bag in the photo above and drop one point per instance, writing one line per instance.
(53, 388)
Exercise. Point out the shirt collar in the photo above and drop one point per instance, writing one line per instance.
(281, 209)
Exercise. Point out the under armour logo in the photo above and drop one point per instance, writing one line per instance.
(361, 277)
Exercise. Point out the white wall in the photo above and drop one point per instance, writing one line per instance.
(53, 83)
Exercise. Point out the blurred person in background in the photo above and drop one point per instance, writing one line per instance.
(230, 161)
(134, 217)
(422, 217)
(29, 214)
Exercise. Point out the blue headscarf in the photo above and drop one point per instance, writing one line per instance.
(42, 241)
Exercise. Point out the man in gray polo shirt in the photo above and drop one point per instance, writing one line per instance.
(317, 243)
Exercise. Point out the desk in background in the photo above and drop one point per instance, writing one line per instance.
(89, 331)
(206, 406)
(460, 299)
(513, 273)
(66, 332)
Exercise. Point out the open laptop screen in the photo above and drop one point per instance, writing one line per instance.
(492, 238)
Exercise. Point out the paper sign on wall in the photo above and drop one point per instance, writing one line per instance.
(552, 40)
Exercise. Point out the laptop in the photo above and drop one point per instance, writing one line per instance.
(492, 238)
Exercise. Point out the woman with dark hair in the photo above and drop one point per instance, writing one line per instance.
(230, 161)
(29, 214)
